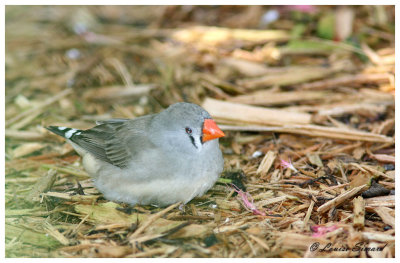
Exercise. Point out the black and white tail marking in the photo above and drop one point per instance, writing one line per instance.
(65, 132)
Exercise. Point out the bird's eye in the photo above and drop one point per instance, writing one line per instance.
(188, 130)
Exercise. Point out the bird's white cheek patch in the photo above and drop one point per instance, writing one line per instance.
(198, 143)
(69, 133)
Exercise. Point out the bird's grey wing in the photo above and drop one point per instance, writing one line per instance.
(128, 140)
(116, 120)
(96, 139)
(111, 141)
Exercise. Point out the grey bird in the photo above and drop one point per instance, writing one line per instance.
(157, 159)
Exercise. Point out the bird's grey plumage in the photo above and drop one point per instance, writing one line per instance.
(151, 159)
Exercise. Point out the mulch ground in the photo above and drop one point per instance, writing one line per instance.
(307, 105)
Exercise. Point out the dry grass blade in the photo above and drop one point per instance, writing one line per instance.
(150, 220)
(42, 105)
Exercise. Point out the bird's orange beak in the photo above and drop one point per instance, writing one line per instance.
(211, 130)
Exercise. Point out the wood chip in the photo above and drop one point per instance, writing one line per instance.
(266, 163)
(359, 212)
(341, 198)
(384, 213)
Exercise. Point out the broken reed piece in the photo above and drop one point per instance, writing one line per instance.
(347, 80)
(252, 114)
(266, 97)
(315, 131)
(359, 212)
(335, 202)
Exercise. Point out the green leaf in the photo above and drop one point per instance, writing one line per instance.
(326, 26)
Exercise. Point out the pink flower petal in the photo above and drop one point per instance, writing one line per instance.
(288, 165)
(249, 205)
(320, 231)
(303, 8)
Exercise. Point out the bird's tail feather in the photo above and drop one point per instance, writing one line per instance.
(64, 131)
